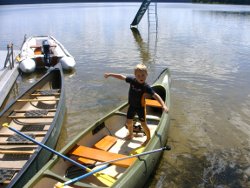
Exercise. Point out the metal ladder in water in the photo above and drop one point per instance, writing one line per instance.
(151, 7)
(152, 29)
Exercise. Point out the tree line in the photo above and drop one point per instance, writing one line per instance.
(239, 2)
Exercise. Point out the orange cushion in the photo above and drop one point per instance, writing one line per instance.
(154, 103)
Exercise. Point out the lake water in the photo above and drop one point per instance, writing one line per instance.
(206, 48)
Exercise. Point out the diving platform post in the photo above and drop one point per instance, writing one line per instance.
(143, 8)
(8, 71)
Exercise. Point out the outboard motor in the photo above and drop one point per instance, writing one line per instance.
(46, 52)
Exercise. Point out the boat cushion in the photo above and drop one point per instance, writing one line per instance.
(153, 103)
(38, 50)
(102, 156)
(105, 143)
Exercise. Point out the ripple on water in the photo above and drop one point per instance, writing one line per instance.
(218, 168)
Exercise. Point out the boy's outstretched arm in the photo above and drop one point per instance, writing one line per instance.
(118, 76)
(159, 99)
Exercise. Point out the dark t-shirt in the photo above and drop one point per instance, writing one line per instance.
(136, 91)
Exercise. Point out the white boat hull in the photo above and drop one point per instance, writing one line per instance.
(42, 52)
(68, 63)
(28, 65)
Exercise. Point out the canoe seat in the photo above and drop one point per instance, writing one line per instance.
(37, 100)
(153, 103)
(105, 143)
(17, 139)
(6, 174)
(28, 113)
(102, 156)
(38, 50)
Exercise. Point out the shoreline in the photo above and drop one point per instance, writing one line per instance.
(20, 2)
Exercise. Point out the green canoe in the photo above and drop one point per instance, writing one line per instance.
(104, 141)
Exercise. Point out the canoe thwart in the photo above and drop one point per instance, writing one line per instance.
(16, 152)
(24, 111)
(36, 100)
(100, 155)
(36, 126)
(52, 94)
(105, 143)
(16, 143)
(10, 134)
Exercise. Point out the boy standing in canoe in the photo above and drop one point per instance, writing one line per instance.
(138, 87)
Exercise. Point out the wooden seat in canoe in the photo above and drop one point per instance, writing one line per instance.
(36, 100)
(153, 103)
(104, 144)
(45, 94)
(86, 161)
(16, 152)
(102, 156)
(24, 111)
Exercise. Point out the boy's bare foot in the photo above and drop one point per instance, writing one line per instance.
(145, 143)
(129, 137)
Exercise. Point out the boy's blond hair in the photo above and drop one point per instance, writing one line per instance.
(141, 67)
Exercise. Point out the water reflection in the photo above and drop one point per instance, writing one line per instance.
(143, 47)
(206, 48)
(147, 48)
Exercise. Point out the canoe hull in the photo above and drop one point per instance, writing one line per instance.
(43, 156)
(112, 124)
(54, 78)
